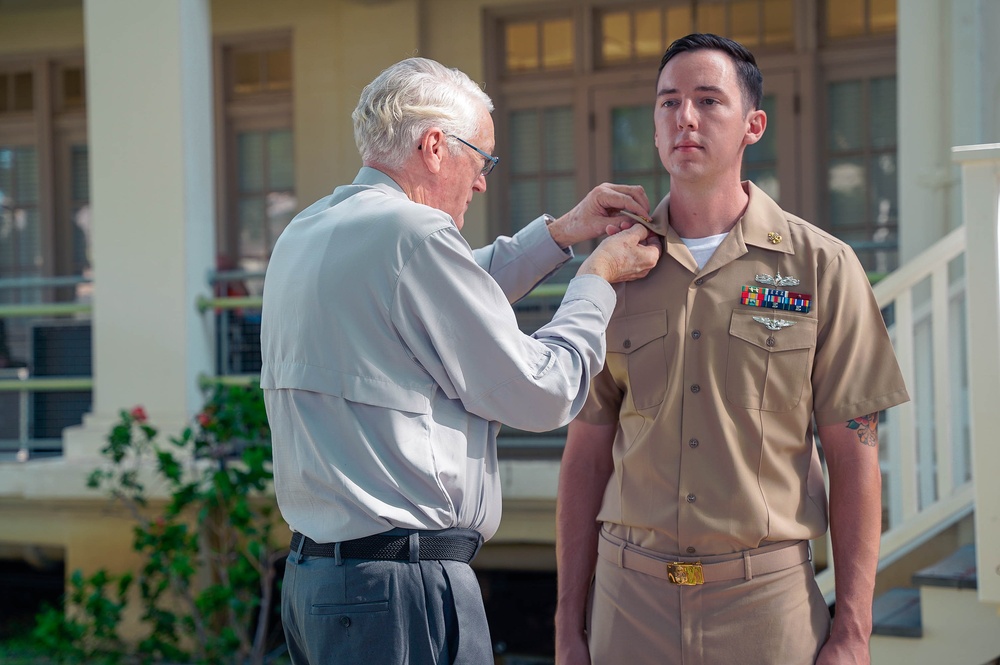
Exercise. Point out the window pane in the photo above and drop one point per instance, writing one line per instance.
(26, 175)
(525, 203)
(281, 207)
(524, 142)
(648, 34)
(632, 139)
(744, 22)
(767, 180)
(250, 158)
(846, 181)
(557, 39)
(617, 37)
(844, 105)
(679, 23)
(522, 46)
(246, 72)
(560, 195)
(280, 163)
(252, 226)
(883, 15)
(24, 90)
(79, 173)
(778, 21)
(6, 176)
(885, 196)
(559, 146)
(72, 87)
(30, 241)
(883, 112)
(279, 69)
(4, 101)
(712, 18)
(845, 18)
(766, 149)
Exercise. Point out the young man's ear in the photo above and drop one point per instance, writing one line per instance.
(432, 148)
(756, 124)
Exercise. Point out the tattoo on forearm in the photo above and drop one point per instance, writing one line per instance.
(866, 428)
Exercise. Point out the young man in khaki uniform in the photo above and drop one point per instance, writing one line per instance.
(690, 483)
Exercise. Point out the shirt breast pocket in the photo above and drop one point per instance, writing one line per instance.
(642, 339)
(768, 369)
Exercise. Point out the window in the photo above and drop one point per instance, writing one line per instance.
(43, 175)
(859, 18)
(829, 158)
(256, 150)
(862, 197)
(538, 45)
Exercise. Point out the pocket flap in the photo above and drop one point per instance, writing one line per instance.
(793, 331)
(629, 333)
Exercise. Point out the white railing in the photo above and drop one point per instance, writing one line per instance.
(943, 309)
(924, 444)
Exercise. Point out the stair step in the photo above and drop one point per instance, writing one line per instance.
(958, 571)
(897, 613)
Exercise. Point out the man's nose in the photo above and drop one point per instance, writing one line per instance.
(686, 116)
(480, 184)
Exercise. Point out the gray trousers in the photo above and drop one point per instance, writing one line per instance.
(384, 612)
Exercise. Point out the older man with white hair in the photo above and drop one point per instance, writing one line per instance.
(391, 356)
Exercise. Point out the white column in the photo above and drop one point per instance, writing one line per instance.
(981, 209)
(925, 168)
(149, 98)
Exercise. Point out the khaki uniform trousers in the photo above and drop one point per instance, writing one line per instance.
(778, 618)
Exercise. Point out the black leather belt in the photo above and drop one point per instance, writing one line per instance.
(392, 548)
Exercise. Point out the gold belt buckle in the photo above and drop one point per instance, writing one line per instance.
(685, 574)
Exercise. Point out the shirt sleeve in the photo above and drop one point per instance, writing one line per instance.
(855, 370)
(456, 322)
(520, 263)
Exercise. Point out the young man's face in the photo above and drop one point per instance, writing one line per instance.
(700, 122)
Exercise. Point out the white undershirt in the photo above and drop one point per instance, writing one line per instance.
(703, 248)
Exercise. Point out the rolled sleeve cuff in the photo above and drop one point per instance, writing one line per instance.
(544, 250)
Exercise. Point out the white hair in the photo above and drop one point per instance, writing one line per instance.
(406, 100)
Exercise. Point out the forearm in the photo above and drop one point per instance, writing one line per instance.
(855, 524)
(586, 466)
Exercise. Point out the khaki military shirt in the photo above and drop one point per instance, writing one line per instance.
(714, 398)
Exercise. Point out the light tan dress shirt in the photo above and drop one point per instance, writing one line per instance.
(714, 451)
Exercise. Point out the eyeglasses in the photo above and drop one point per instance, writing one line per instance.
(489, 161)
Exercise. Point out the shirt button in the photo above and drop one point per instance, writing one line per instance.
(345, 621)
(693, 443)
(695, 334)
(627, 344)
(770, 341)
(691, 550)
(691, 498)
(699, 281)
(695, 388)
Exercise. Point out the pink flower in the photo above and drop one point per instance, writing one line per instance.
(204, 420)
(138, 414)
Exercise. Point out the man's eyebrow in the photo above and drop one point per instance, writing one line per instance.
(700, 88)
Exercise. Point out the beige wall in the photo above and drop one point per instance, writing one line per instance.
(24, 32)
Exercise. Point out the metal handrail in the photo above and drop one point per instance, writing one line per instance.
(27, 311)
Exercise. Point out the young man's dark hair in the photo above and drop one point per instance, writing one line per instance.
(751, 81)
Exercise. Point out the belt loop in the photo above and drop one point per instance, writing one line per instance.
(414, 542)
(621, 554)
(338, 560)
(298, 550)
(747, 568)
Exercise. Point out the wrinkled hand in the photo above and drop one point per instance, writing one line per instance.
(624, 256)
(598, 213)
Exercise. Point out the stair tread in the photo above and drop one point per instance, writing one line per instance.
(957, 571)
(897, 613)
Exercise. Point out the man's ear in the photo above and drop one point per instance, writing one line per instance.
(756, 124)
(432, 148)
